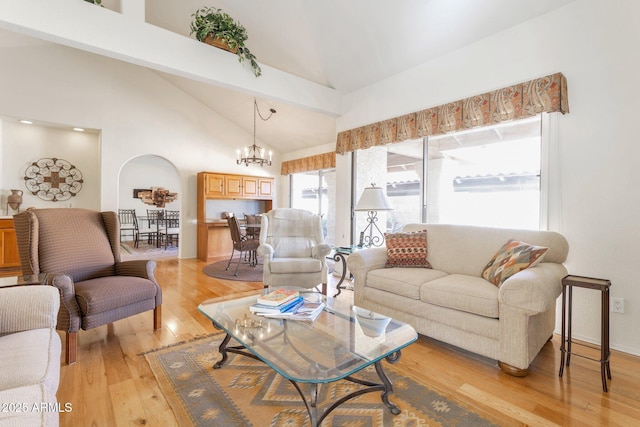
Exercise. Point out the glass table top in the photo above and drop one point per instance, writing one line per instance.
(341, 341)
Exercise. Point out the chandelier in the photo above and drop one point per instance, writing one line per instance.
(253, 154)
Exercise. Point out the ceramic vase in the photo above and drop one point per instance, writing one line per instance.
(15, 199)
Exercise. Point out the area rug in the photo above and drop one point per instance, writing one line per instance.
(245, 392)
(146, 251)
(246, 273)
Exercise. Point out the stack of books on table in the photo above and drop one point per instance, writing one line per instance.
(286, 304)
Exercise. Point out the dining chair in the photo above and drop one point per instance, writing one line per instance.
(241, 243)
(168, 228)
(128, 224)
(149, 226)
(252, 226)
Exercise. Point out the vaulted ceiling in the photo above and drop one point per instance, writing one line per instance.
(346, 45)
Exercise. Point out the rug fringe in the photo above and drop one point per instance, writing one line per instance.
(192, 340)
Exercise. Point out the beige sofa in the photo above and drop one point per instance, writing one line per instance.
(30, 356)
(453, 303)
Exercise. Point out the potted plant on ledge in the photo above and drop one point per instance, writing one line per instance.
(213, 26)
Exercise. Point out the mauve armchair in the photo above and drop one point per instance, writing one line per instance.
(80, 250)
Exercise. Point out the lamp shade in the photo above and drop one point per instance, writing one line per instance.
(373, 199)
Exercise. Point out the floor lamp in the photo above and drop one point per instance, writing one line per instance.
(372, 200)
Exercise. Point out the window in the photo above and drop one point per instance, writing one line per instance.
(488, 176)
(314, 191)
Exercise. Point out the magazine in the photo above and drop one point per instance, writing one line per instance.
(307, 311)
(278, 297)
(289, 306)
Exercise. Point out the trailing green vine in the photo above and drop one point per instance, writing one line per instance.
(218, 24)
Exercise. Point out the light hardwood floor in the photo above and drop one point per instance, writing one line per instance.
(112, 385)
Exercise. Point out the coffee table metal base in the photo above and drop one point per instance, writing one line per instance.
(312, 402)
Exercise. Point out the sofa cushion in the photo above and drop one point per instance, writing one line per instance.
(402, 281)
(512, 257)
(41, 348)
(461, 292)
(407, 249)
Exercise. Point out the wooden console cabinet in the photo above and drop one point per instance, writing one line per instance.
(9, 255)
(213, 234)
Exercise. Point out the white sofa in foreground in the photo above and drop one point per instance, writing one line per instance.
(30, 356)
(453, 303)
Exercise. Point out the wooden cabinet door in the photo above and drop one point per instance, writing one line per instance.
(234, 185)
(214, 184)
(265, 187)
(9, 255)
(249, 186)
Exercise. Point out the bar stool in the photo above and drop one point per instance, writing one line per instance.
(568, 283)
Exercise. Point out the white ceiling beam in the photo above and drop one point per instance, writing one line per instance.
(84, 26)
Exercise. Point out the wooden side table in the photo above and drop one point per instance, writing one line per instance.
(568, 283)
(32, 279)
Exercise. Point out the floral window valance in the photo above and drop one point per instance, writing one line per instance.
(311, 163)
(546, 94)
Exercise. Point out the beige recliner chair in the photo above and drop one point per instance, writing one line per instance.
(291, 244)
(80, 250)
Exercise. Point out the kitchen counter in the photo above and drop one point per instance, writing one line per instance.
(216, 222)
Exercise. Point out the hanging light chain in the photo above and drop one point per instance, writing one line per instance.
(254, 153)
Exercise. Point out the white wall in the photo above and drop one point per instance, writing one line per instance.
(138, 113)
(594, 44)
(23, 144)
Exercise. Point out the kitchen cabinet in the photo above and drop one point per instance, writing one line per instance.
(213, 233)
(214, 185)
(250, 186)
(265, 187)
(233, 186)
(229, 186)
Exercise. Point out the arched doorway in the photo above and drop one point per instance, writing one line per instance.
(139, 176)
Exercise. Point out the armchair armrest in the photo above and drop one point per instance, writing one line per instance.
(28, 307)
(266, 251)
(321, 251)
(144, 268)
(69, 314)
(534, 290)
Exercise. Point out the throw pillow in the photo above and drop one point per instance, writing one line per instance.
(513, 257)
(407, 249)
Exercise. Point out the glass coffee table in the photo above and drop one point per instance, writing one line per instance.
(342, 341)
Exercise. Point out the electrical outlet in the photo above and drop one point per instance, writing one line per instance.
(617, 305)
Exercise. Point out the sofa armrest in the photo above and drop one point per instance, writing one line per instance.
(534, 290)
(23, 308)
(361, 262)
(367, 259)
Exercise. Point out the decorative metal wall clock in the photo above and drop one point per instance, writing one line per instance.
(53, 179)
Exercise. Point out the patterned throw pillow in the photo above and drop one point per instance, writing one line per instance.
(513, 257)
(407, 249)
